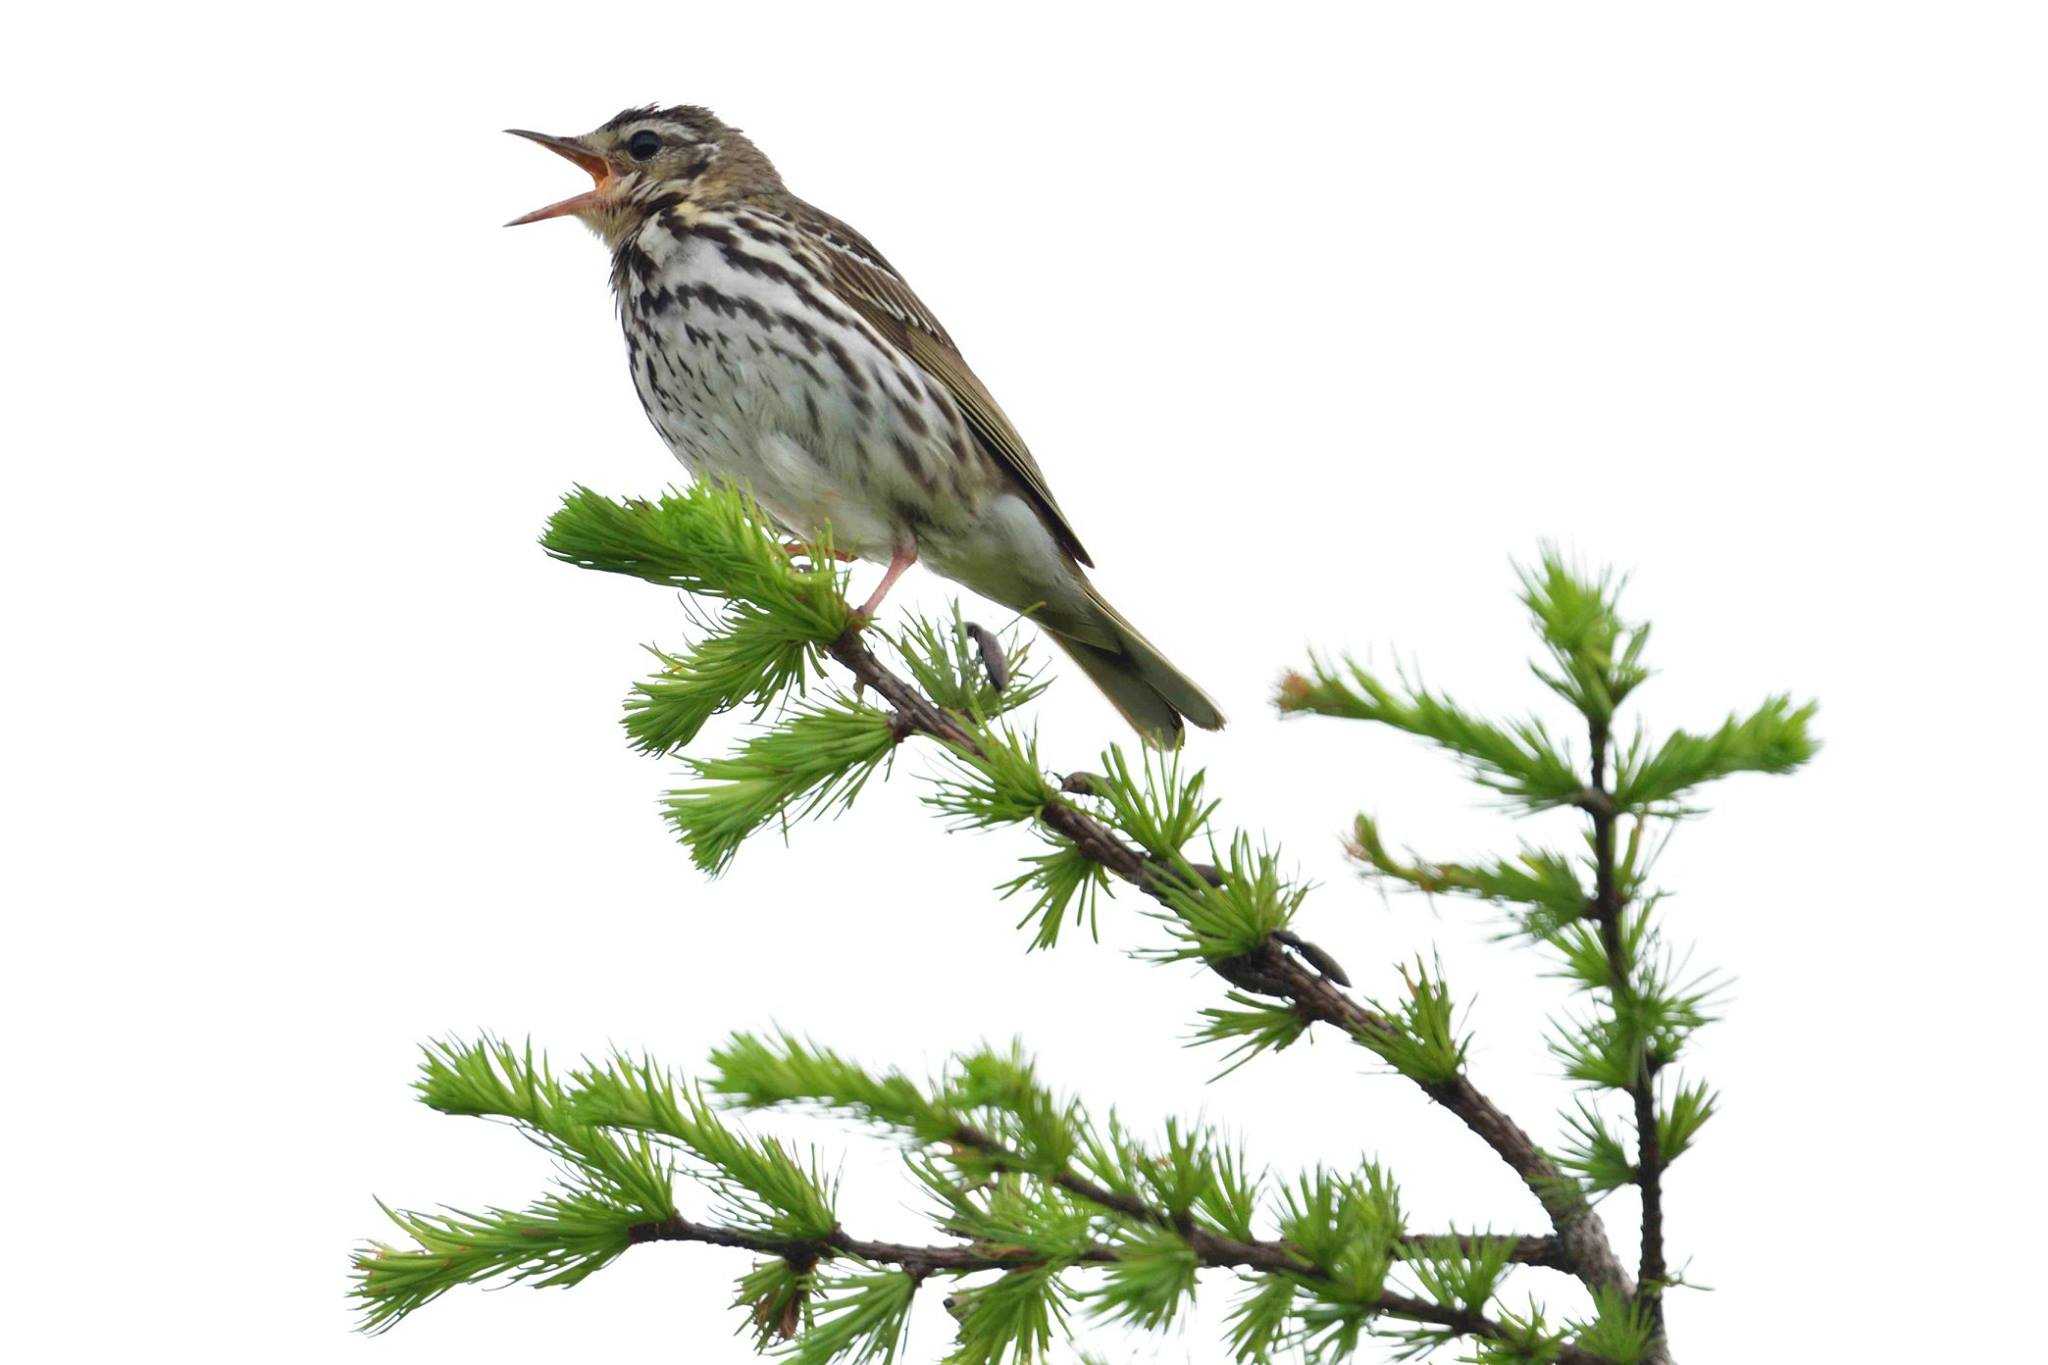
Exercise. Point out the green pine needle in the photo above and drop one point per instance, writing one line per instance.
(1033, 1217)
(1154, 805)
(1547, 885)
(813, 761)
(1772, 739)
(1582, 951)
(946, 663)
(1254, 1027)
(1680, 1119)
(751, 1072)
(1593, 1153)
(710, 540)
(1064, 882)
(1230, 1196)
(1152, 1279)
(1423, 1043)
(1001, 1093)
(1520, 760)
(760, 1182)
(994, 1094)
(777, 1298)
(1259, 1322)
(857, 1319)
(1179, 1171)
(611, 1183)
(1346, 1226)
(1646, 1020)
(1248, 900)
(1526, 1338)
(1619, 1331)
(1461, 1275)
(751, 659)
(1596, 656)
(560, 1241)
(1332, 1327)
(492, 1079)
(1003, 784)
(1012, 1319)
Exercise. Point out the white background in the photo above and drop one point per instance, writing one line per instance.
(1316, 317)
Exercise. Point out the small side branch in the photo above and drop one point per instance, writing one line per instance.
(966, 1258)
(958, 1258)
(1271, 1256)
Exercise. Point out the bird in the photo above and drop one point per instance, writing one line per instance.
(773, 347)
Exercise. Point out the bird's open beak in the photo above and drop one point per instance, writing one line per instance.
(575, 151)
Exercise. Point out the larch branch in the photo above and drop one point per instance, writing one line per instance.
(1581, 1247)
(1608, 908)
(1211, 1252)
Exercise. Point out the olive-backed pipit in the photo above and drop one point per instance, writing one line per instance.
(774, 346)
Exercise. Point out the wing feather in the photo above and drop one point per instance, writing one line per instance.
(865, 282)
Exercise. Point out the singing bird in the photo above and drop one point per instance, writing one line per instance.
(772, 345)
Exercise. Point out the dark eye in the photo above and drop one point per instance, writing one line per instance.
(643, 144)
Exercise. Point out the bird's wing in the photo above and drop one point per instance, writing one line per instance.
(868, 284)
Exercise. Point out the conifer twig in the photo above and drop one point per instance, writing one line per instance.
(1608, 907)
(1582, 1246)
(1540, 1251)
(963, 1258)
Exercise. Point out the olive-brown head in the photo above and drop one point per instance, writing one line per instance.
(647, 159)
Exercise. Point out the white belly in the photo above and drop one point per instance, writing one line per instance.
(833, 430)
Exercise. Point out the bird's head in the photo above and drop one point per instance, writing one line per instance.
(647, 159)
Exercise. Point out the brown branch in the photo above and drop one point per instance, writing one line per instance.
(1536, 1251)
(959, 1258)
(1608, 908)
(1581, 1248)
(967, 1258)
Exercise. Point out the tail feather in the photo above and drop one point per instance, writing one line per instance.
(1149, 692)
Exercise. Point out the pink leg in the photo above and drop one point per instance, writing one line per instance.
(898, 562)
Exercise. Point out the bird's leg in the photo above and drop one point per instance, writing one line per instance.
(898, 562)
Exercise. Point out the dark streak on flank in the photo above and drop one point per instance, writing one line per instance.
(911, 417)
(844, 360)
(914, 462)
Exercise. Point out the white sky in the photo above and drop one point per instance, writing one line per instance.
(1315, 317)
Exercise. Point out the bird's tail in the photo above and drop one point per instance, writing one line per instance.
(1149, 692)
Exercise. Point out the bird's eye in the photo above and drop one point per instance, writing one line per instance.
(643, 144)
